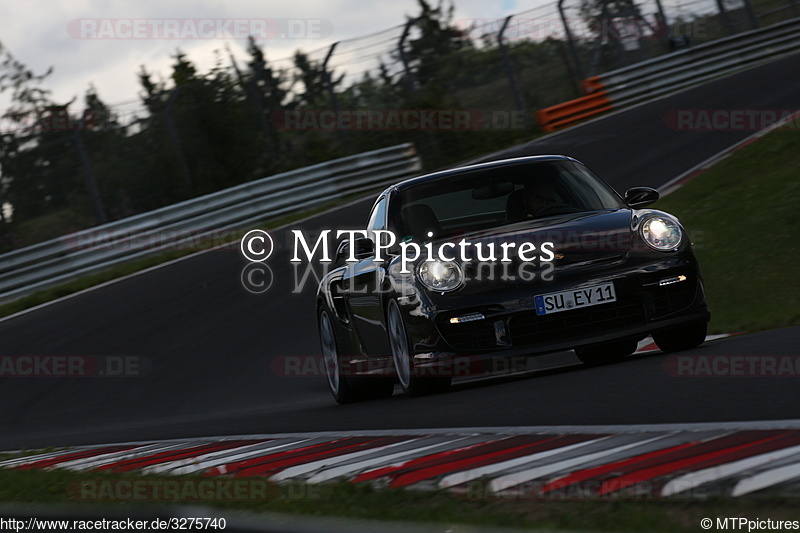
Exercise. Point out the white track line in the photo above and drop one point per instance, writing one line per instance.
(107, 459)
(695, 479)
(384, 461)
(649, 345)
(766, 479)
(88, 463)
(28, 459)
(195, 460)
(512, 480)
(494, 432)
(718, 336)
(468, 475)
(306, 468)
(205, 462)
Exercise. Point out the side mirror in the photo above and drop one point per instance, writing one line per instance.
(364, 248)
(638, 197)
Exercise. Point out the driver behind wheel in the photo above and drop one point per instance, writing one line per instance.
(540, 196)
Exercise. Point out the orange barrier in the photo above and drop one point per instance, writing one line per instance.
(593, 84)
(562, 115)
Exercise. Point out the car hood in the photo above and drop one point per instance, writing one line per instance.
(575, 238)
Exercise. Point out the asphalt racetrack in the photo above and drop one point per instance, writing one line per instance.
(214, 359)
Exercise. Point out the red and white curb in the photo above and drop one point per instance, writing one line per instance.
(687, 461)
(649, 345)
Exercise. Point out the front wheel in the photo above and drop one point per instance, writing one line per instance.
(607, 352)
(346, 388)
(412, 384)
(683, 338)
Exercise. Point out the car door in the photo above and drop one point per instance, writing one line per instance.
(365, 301)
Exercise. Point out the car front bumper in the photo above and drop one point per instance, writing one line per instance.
(644, 305)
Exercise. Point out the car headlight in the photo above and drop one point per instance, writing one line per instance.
(661, 233)
(440, 276)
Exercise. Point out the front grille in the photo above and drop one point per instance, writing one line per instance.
(672, 298)
(529, 328)
(469, 335)
(634, 309)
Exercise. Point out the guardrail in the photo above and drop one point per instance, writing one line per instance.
(54, 262)
(561, 115)
(669, 73)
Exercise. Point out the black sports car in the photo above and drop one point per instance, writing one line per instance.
(517, 257)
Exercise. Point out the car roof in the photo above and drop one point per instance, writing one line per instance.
(489, 165)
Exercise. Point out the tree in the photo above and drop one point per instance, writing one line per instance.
(266, 93)
(315, 82)
(433, 55)
(264, 81)
(36, 169)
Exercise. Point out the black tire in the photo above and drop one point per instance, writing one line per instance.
(683, 338)
(412, 385)
(344, 388)
(607, 352)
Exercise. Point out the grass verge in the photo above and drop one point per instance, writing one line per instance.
(743, 217)
(364, 501)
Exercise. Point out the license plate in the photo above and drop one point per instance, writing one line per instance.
(555, 302)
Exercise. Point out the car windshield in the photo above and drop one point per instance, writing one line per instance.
(484, 199)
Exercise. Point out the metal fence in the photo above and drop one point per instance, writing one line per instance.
(199, 222)
(630, 85)
(669, 73)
